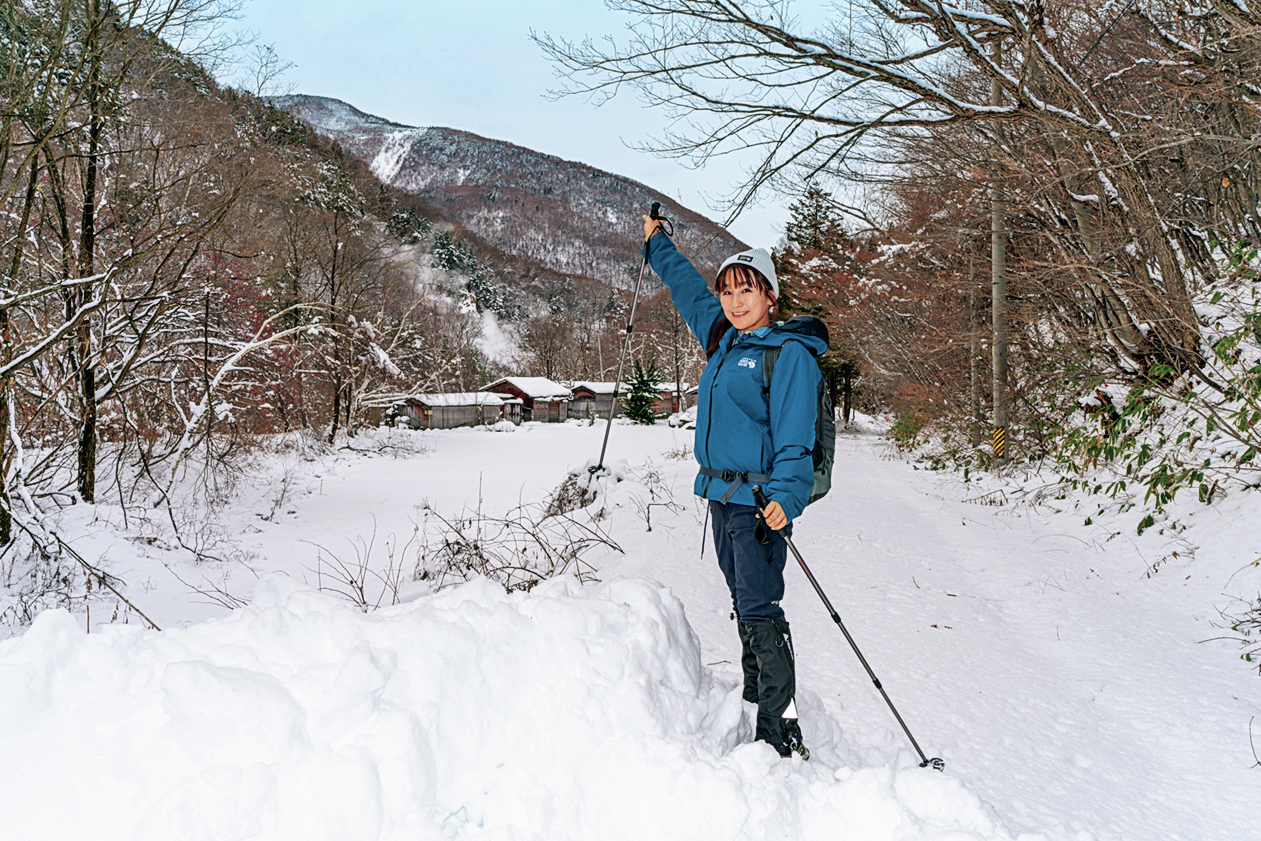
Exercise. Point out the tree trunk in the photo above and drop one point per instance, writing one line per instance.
(352, 398)
(998, 294)
(1111, 313)
(337, 410)
(847, 397)
(6, 354)
(86, 480)
(974, 333)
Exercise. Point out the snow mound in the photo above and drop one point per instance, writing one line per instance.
(685, 419)
(567, 712)
(863, 424)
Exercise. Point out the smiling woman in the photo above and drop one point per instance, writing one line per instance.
(747, 297)
(750, 430)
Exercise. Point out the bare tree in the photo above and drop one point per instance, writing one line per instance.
(77, 79)
(741, 76)
(670, 340)
(549, 342)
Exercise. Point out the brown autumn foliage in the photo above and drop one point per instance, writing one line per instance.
(1118, 140)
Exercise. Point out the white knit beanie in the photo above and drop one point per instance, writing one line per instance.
(758, 259)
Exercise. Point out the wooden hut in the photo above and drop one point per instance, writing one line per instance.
(542, 399)
(592, 399)
(673, 397)
(596, 396)
(451, 409)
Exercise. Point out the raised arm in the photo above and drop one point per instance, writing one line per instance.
(688, 289)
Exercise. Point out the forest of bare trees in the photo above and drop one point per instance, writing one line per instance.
(1041, 218)
(188, 271)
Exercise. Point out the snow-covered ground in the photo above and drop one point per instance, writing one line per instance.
(1058, 668)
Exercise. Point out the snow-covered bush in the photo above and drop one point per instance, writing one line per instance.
(1144, 441)
(527, 545)
(683, 420)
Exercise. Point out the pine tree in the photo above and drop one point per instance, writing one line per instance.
(818, 275)
(642, 394)
(815, 224)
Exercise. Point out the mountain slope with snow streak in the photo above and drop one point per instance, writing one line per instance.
(566, 216)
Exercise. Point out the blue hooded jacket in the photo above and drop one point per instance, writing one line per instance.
(738, 427)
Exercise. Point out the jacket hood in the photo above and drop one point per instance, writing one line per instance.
(807, 329)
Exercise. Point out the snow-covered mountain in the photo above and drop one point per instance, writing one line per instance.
(565, 216)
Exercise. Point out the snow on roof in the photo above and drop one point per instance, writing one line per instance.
(463, 398)
(607, 388)
(383, 400)
(537, 388)
(594, 387)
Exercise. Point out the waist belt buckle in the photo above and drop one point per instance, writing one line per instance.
(731, 475)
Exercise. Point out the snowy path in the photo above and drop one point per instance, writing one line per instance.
(1072, 702)
(1069, 704)
(1067, 691)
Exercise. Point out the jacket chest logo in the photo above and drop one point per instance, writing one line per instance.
(747, 362)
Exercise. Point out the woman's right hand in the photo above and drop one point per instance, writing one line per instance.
(651, 226)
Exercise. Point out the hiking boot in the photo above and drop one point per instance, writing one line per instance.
(771, 644)
(792, 742)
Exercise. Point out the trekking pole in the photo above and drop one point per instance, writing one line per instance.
(936, 762)
(653, 213)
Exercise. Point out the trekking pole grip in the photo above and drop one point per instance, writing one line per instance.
(666, 226)
(760, 498)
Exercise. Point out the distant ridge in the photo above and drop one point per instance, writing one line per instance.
(566, 216)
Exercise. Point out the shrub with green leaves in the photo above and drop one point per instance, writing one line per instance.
(1174, 431)
(907, 428)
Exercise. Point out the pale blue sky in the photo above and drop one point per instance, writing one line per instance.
(470, 64)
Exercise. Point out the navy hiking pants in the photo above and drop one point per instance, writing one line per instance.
(754, 569)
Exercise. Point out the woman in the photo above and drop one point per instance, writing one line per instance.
(747, 434)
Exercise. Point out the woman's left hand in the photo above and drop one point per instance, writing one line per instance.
(775, 516)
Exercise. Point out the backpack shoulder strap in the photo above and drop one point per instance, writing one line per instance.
(769, 357)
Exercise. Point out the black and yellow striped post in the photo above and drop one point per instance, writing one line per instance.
(1000, 443)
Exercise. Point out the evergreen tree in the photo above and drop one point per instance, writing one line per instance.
(450, 255)
(827, 288)
(815, 224)
(409, 226)
(642, 393)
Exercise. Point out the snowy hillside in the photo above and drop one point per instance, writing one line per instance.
(1057, 668)
(565, 216)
